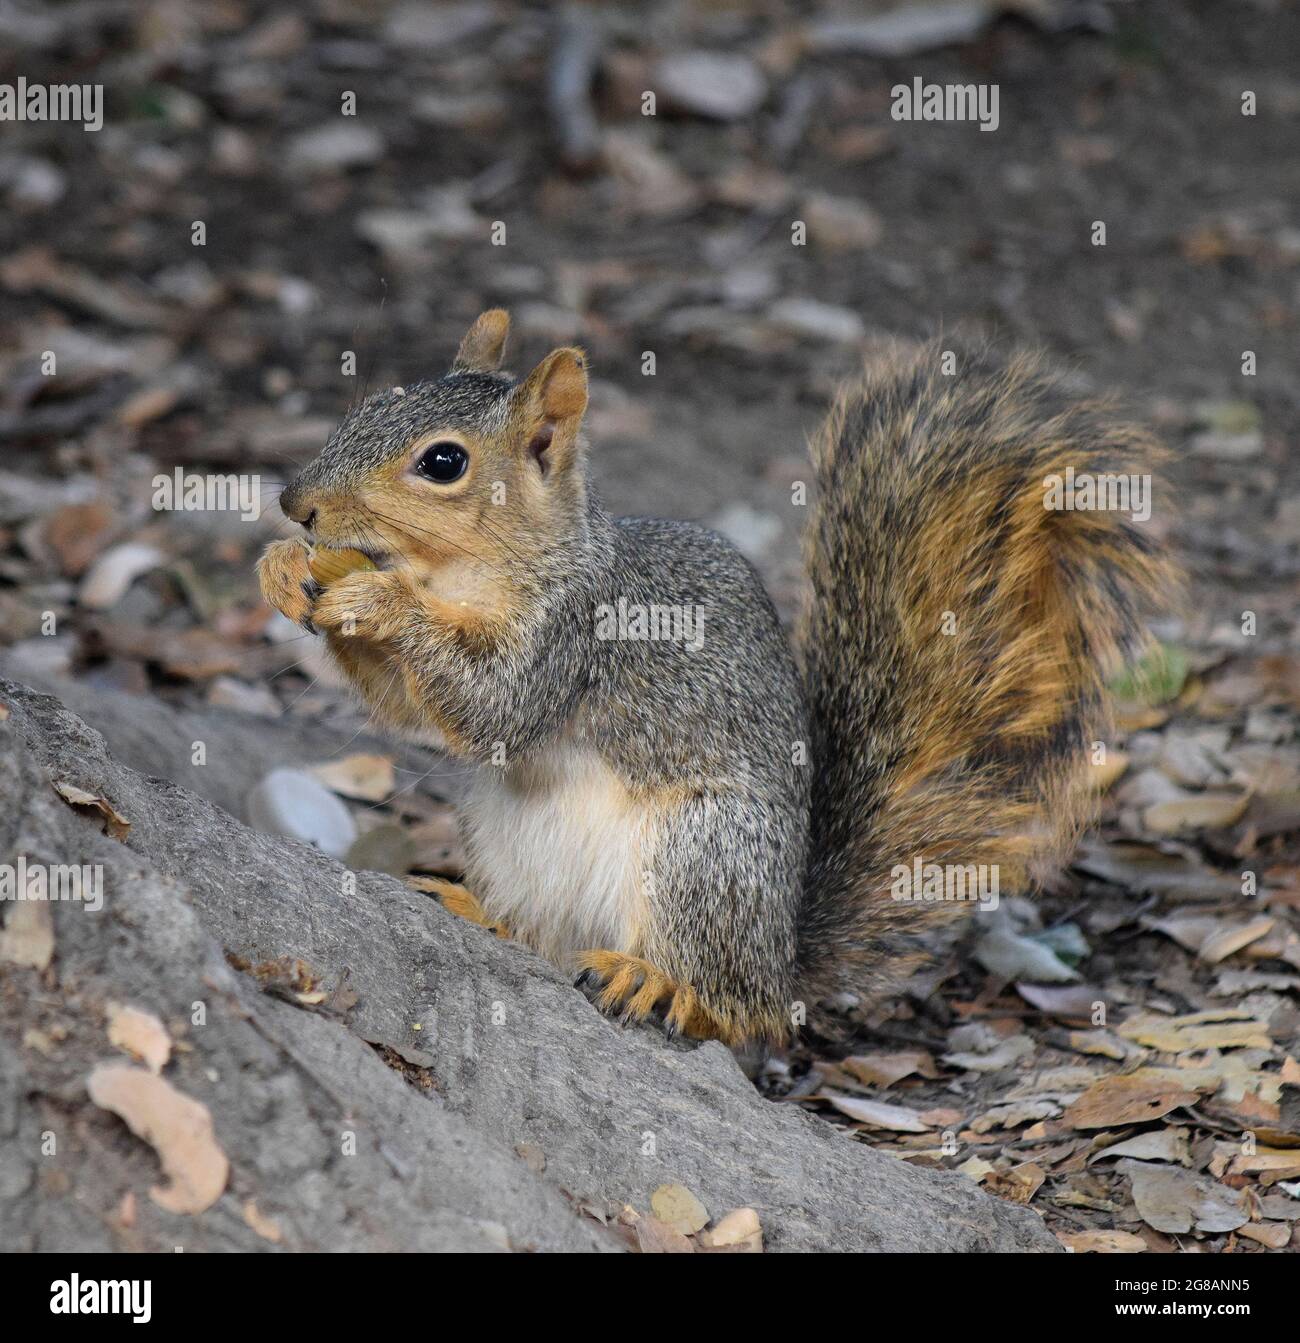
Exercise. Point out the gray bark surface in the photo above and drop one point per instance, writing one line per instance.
(513, 1057)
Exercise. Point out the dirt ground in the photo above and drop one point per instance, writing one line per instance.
(203, 266)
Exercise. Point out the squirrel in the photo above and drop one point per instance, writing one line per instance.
(666, 802)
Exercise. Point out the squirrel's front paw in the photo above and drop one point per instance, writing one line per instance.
(371, 604)
(286, 580)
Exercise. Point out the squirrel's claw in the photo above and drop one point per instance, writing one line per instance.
(373, 604)
(632, 989)
(284, 577)
(311, 589)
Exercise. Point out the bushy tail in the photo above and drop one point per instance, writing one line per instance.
(958, 640)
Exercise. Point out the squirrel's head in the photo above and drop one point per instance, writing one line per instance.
(462, 478)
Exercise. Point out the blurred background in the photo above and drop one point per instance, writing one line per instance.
(287, 204)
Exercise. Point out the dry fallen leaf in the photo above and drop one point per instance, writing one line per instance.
(1071, 1002)
(194, 654)
(1063, 1084)
(178, 1127)
(656, 1237)
(1168, 1144)
(1233, 1077)
(1127, 1099)
(112, 574)
(941, 1116)
(115, 824)
(41, 1042)
(739, 1229)
(976, 1168)
(435, 844)
(1014, 1115)
(145, 406)
(1102, 1242)
(1270, 1164)
(1012, 955)
(676, 1206)
(1279, 945)
(1276, 1235)
(141, 1034)
(1221, 944)
(1175, 1201)
(27, 937)
(266, 1227)
(77, 534)
(1149, 871)
(883, 1070)
(1226, 1028)
(1212, 939)
(1102, 1043)
(1004, 1055)
(1017, 1185)
(367, 778)
(1069, 1196)
(1238, 983)
(1205, 811)
(879, 1114)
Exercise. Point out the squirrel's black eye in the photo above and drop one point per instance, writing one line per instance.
(443, 463)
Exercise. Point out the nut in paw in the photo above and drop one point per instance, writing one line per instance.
(328, 566)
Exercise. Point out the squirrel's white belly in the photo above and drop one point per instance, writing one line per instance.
(557, 849)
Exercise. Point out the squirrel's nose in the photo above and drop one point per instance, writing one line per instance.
(294, 506)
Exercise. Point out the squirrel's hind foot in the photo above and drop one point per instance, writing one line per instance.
(633, 988)
(460, 901)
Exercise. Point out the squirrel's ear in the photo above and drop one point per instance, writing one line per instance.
(550, 405)
(484, 343)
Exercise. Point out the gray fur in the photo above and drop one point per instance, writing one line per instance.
(721, 725)
(745, 905)
(387, 421)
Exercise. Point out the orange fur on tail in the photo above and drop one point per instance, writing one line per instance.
(958, 639)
